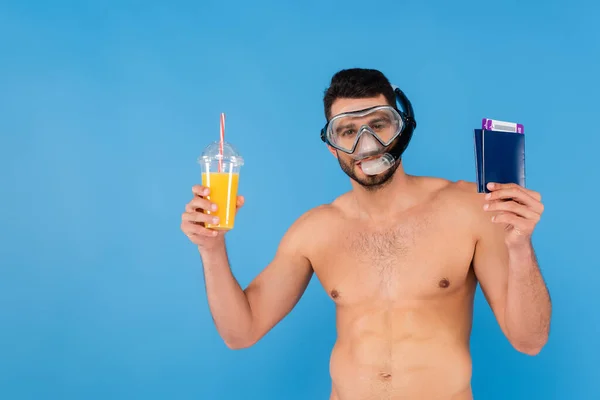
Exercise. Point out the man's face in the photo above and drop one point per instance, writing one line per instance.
(350, 166)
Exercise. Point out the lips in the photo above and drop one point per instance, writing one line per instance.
(367, 159)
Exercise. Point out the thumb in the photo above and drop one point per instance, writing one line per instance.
(240, 202)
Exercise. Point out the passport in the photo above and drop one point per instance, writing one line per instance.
(499, 157)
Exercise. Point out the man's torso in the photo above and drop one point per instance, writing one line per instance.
(403, 291)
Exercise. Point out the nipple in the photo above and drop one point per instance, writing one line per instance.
(377, 165)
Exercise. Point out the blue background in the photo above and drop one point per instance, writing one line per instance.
(104, 107)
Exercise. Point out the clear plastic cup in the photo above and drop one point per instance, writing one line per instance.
(221, 173)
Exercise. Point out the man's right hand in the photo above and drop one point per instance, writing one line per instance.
(243, 316)
(194, 218)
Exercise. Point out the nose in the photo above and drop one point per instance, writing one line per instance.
(367, 142)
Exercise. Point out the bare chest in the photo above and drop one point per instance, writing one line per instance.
(424, 256)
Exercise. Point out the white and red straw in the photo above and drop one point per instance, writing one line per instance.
(222, 140)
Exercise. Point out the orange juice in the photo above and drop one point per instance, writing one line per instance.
(223, 192)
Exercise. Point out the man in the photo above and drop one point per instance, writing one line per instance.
(400, 256)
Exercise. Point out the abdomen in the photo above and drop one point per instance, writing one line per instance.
(400, 353)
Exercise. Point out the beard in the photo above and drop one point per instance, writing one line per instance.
(369, 182)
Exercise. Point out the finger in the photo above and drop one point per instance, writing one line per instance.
(521, 224)
(198, 217)
(200, 190)
(240, 201)
(517, 196)
(512, 193)
(191, 229)
(536, 195)
(499, 186)
(200, 203)
(513, 207)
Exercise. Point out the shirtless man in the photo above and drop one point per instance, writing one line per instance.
(399, 255)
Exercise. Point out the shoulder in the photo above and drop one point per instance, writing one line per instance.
(459, 199)
(313, 225)
(469, 206)
(459, 192)
(448, 191)
(315, 216)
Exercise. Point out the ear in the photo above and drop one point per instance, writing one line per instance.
(332, 151)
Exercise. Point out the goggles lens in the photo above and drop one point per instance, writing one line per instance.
(383, 121)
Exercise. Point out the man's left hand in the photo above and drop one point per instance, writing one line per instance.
(520, 209)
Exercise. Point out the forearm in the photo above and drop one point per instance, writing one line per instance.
(528, 306)
(228, 303)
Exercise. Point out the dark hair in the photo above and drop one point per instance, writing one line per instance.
(356, 83)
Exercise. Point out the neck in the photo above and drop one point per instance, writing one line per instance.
(377, 204)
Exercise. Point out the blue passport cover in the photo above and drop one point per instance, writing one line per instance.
(499, 157)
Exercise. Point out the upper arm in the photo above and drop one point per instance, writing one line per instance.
(490, 263)
(279, 287)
